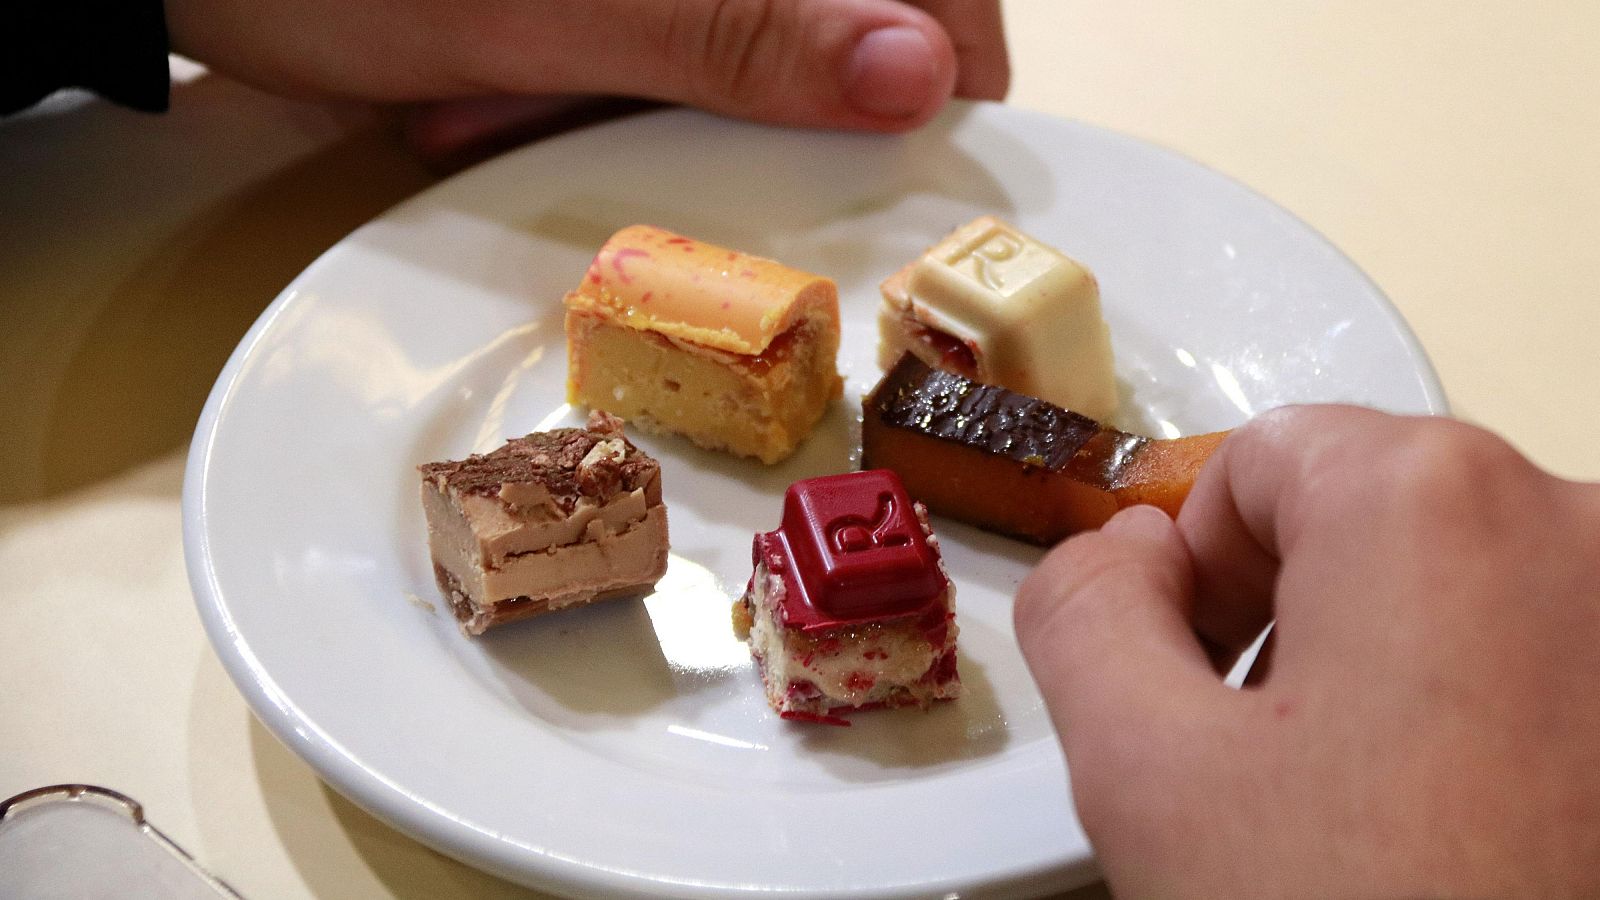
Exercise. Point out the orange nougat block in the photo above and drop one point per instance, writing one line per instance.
(1016, 464)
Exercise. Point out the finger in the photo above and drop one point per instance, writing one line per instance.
(983, 68)
(1252, 499)
(872, 64)
(453, 134)
(1234, 573)
(1104, 626)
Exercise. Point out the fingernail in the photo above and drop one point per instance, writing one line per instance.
(1138, 521)
(891, 73)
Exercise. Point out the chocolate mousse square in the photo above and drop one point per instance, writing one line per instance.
(550, 521)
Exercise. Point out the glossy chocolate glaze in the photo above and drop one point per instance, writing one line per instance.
(1101, 461)
(1025, 429)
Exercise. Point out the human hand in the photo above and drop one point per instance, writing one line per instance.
(882, 65)
(1429, 724)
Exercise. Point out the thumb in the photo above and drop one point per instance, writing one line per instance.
(871, 64)
(1104, 625)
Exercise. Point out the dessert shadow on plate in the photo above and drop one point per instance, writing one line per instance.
(595, 662)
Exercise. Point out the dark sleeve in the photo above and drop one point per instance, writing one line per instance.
(116, 48)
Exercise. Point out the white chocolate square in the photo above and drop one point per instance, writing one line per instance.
(1028, 313)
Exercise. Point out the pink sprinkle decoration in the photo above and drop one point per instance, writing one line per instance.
(646, 297)
(619, 256)
(747, 273)
(726, 305)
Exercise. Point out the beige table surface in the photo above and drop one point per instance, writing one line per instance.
(1451, 148)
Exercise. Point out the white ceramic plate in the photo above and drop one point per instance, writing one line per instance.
(627, 747)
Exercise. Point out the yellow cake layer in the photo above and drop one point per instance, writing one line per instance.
(760, 406)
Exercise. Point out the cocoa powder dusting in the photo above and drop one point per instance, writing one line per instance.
(551, 458)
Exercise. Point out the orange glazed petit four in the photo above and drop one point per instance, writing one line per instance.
(733, 351)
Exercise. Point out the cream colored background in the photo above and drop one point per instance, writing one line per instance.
(1452, 149)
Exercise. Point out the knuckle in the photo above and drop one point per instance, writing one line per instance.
(1453, 486)
(1444, 467)
(1353, 463)
(727, 48)
(1279, 422)
(1292, 431)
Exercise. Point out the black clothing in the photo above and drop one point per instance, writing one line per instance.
(116, 48)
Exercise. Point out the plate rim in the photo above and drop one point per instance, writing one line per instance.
(438, 829)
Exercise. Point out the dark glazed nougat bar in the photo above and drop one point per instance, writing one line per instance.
(1016, 464)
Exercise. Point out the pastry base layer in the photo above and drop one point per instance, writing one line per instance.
(815, 676)
(476, 620)
(760, 406)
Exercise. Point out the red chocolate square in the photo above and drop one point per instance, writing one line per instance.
(849, 606)
(858, 551)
